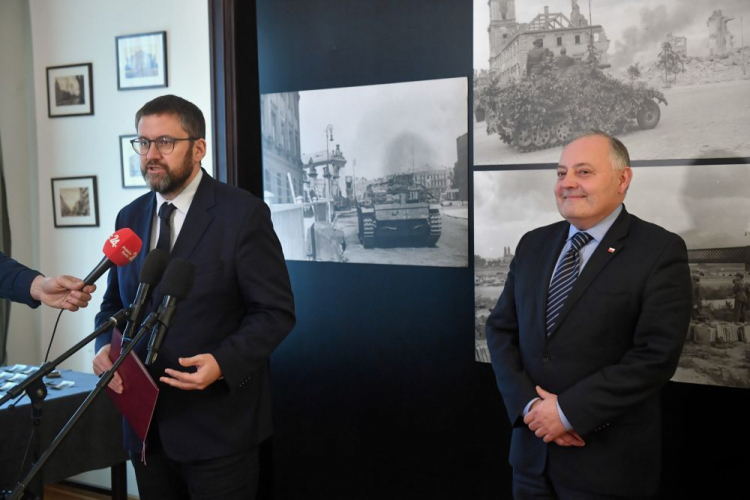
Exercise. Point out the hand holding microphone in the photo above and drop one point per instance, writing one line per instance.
(68, 292)
(61, 292)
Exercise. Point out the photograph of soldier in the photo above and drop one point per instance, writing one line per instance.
(665, 77)
(688, 200)
(563, 62)
(740, 291)
(536, 57)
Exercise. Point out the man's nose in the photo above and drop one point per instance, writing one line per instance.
(153, 151)
(567, 181)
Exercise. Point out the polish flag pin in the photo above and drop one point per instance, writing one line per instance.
(611, 250)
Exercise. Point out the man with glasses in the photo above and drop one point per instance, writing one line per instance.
(213, 408)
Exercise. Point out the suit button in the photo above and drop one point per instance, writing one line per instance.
(546, 358)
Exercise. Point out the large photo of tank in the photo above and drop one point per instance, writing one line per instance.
(707, 205)
(375, 174)
(669, 77)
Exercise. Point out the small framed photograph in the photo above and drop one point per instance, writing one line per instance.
(130, 164)
(70, 91)
(74, 202)
(141, 61)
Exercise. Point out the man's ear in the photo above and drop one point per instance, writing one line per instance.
(626, 176)
(199, 150)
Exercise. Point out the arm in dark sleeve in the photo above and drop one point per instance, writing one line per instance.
(502, 333)
(267, 294)
(15, 281)
(660, 332)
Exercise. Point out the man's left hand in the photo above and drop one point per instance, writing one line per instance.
(543, 418)
(207, 373)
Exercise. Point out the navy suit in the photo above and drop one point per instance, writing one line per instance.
(15, 281)
(239, 310)
(616, 343)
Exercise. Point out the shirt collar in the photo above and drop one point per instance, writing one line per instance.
(598, 231)
(183, 200)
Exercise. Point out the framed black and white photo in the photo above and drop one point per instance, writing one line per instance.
(663, 78)
(74, 201)
(141, 61)
(130, 164)
(69, 90)
(689, 200)
(376, 174)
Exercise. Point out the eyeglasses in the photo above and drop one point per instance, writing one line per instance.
(164, 144)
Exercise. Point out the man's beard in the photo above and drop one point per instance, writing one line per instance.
(170, 180)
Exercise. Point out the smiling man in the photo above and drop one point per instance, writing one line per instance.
(214, 402)
(588, 328)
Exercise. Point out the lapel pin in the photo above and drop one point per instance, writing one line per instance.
(611, 250)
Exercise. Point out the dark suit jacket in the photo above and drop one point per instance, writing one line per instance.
(239, 310)
(15, 281)
(617, 342)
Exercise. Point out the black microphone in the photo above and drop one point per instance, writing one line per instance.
(121, 248)
(177, 282)
(151, 273)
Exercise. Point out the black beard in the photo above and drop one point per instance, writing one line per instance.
(172, 180)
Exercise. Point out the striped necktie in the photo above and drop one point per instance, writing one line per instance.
(565, 277)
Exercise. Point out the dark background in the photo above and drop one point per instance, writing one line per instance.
(376, 394)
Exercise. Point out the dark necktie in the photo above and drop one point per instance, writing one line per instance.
(165, 226)
(565, 277)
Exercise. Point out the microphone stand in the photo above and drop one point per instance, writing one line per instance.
(35, 389)
(104, 380)
(47, 367)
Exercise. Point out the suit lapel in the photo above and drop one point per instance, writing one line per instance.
(197, 220)
(610, 246)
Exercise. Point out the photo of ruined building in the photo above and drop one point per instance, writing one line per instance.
(707, 207)
(664, 76)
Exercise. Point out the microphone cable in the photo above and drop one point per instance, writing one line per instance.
(54, 331)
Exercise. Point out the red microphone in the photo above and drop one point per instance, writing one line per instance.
(121, 248)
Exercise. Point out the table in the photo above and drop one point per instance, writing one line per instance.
(95, 442)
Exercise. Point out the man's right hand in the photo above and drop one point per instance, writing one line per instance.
(102, 363)
(570, 438)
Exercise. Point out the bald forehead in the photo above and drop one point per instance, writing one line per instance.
(587, 150)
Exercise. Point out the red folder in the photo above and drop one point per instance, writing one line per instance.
(138, 398)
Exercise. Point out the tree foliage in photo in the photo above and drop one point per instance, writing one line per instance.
(671, 62)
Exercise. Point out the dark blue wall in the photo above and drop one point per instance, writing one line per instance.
(376, 394)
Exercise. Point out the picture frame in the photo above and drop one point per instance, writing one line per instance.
(75, 201)
(411, 210)
(142, 61)
(130, 164)
(70, 90)
(654, 95)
